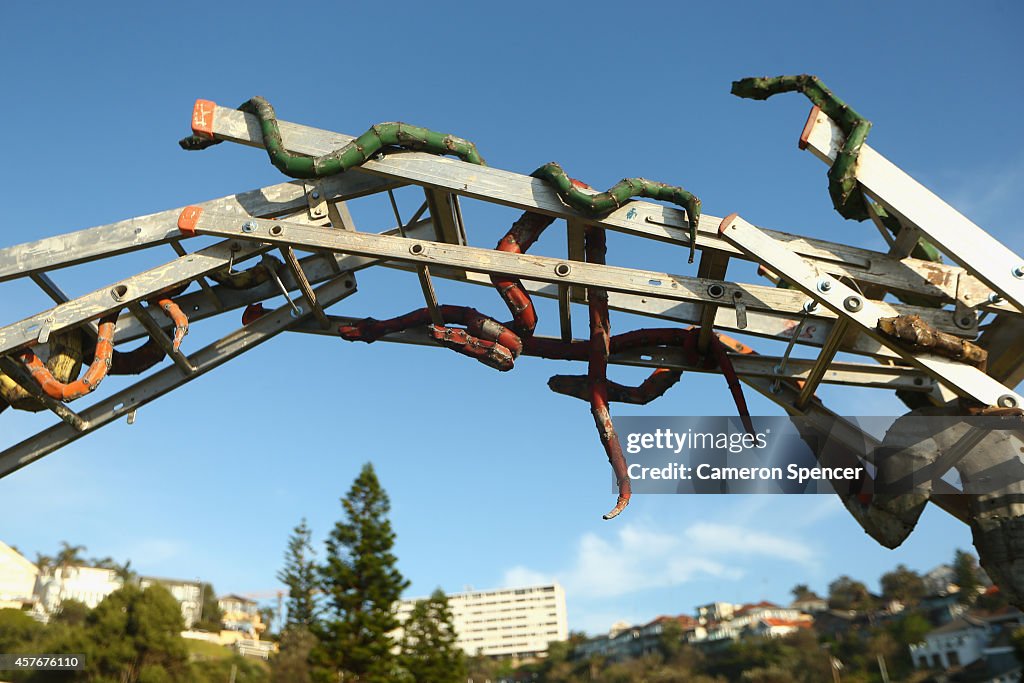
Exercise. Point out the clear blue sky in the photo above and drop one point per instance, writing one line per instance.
(493, 479)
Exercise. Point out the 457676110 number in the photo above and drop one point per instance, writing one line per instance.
(42, 662)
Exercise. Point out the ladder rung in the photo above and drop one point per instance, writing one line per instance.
(427, 284)
(828, 353)
(564, 313)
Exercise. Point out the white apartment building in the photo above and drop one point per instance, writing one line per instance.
(511, 622)
(85, 584)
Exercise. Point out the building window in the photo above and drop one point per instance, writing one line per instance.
(953, 658)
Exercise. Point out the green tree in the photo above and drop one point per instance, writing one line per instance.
(802, 591)
(965, 575)
(291, 665)
(135, 636)
(103, 563)
(361, 585)
(210, 615)
(69, 555)
(670, 640)
(44, 563)
(903, 584)
(267, 615)
(72, 612)
(17, 630)
(429, 650)
(910, 629)
(234, 668)
(300, 576)
(847, 594)
(125, 571)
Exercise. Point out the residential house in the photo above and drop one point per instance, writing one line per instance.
(810, 605)
(969, 638)
(715, 611)
(18, 577)
(85, 584)
(634, 641)
(762, 618)
(241, 614)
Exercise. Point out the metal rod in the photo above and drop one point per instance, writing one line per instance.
(156, 333)
(270, 266)
(398, 216)
(808, 307)
(307, 291)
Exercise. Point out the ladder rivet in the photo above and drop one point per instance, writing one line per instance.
(1018, 272)
(1007, 401)
(315, 195)
(824, 285)
(248, 226)
(853, 304)
(994, 298)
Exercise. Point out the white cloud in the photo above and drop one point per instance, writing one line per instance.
(722, 539)
(638, 558)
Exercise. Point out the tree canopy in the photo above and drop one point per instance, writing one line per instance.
(429, 650)
(361, 585)
(299, 575)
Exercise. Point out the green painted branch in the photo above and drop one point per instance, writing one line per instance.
(597, 204)
(355, 153)
(849, 202)
(382, 135)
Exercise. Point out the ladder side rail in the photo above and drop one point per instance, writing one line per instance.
(166, 380)
(766, 325)
(130, 290)
(103, 241)
(958, 237)
(317, 267)
(639, 218)
(547, 269)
